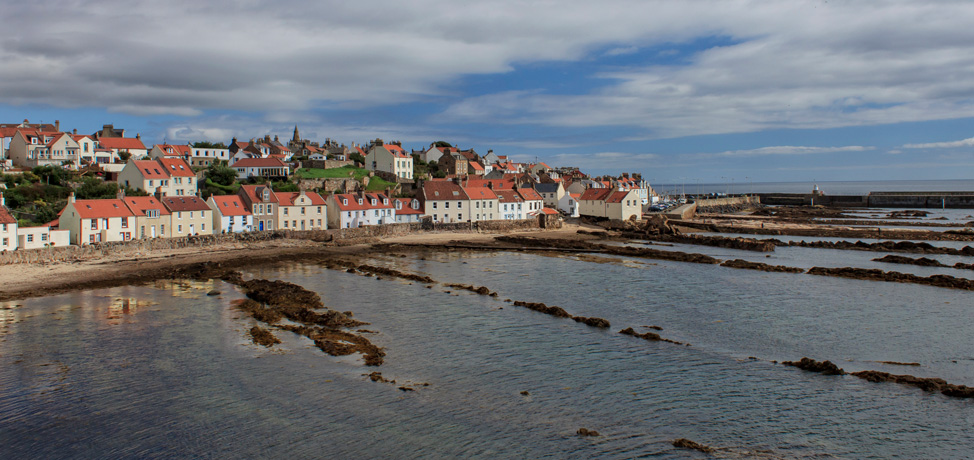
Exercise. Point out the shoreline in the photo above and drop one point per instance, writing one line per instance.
(23, 281)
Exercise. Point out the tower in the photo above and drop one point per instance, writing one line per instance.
(296, 137)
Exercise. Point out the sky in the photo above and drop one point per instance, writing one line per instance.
(691, 91)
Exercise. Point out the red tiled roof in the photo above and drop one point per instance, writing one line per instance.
(595, 194)
(102, 209)
(121, 143)
(139, 204)
(508, 196)
(151, 169)
(184, 203)
(6, 217)
(529, 194)
(480, 193)
(476, 166)
(406, 208)
(270, 162)
(175, 150)
(549, 211)
(177, 167)
(498, 184)
(617, 196)
(231, 205)
(439, 190)
(352, 202)
(287, 198)
(251, 192)
(396, 150)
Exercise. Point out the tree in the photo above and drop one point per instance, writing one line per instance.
(209, 145)
(124, 155)
(96, 189)
(51, 175)
(285, 186)
(442, 144)
(221, 174)
(357, 157)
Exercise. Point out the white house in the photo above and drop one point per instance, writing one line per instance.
(390, 158)
(408, 210)
(230, 214)
(261, 167)
(352, 210)
(41, 237)
(569, 204)
(8, 228)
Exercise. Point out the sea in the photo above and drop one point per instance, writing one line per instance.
(164, 370)
(827, 187)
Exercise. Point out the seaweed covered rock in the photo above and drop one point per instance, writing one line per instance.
(810, 365)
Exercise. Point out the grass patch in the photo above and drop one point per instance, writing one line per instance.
(378, 184)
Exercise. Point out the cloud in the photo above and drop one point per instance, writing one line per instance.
(969, 142)
(779, 150)
(601, 162)
(789, 65)
(622, 51)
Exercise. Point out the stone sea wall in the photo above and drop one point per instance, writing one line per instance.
(134, 248)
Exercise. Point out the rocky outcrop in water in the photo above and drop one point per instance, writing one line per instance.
(872, 274)
(561, 313)
(926, 384)
(923, 261)
(263, 337)
(482, 290)
(740, 263)
(810, 365)
(651, 336)
(744, 244)
(587, 432)
(684, 443)
(882, 246)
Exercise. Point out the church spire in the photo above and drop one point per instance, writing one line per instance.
(296, 137)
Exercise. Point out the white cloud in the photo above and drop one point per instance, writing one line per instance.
(780, 150)
(804, 64)
(969, 142)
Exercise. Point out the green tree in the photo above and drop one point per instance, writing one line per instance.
(285, 186)
(442, 144)
(52, 175)
(209, 145)
(124, 155)
(221, 174)
(96, 189)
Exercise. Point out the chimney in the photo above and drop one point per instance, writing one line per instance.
(378, 142)
(71, 198)
(2, 202)
(138, 136)
(57, 125)
(121, 193)
(275, 138)
(75, 131)
(361, 193)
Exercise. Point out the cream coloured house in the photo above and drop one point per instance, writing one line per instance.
(301, 211)
(189, 215)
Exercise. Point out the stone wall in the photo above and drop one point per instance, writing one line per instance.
(326, 164)
(135, 248)
(330, 185)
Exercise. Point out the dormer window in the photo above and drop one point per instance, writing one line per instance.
(385, 201)
(360, 201)
(372, 201)
(398, 204)
(344, 202)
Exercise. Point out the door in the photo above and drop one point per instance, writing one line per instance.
(260, 226)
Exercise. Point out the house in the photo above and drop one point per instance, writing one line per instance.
(97, 221)
(182, 178)
(454, 164)
(152, 218)
(89, 152)
(41, 237)
(170, 151)
(261, 167)
(390, 158)
(408, 210)
(483, 204)
(444, 200)
(8, 228)
(164, 176)
(189, 215)
(533, 201)
(9, 130)
(610, 203)
(551, 193)
(132, 145)
(353, 210)
(205, 156)
(262, 203)
(569, 204)
(31, 148)
(230, 214)
(511, 204)
(301, 211)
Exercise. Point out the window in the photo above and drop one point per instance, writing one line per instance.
(30, 238)
(94, 224)
(179, 214)
(460, 216)
(162, 229)
(446, 204)
(179, 229)
(202, 227)
(6, 241)
(435, 217)
(191, 214)
(302, 211)
(319, 209)
(434, 205)
(285, 224)
(285, 211)
(125, 222)
(459, 205)
(477, 205)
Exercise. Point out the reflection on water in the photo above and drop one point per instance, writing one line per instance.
(178, 377)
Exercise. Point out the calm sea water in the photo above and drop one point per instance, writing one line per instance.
(165, 371)
(829, 187)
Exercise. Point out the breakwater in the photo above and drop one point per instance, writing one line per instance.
(874, 200)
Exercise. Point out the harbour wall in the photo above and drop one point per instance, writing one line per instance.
(874, 200)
